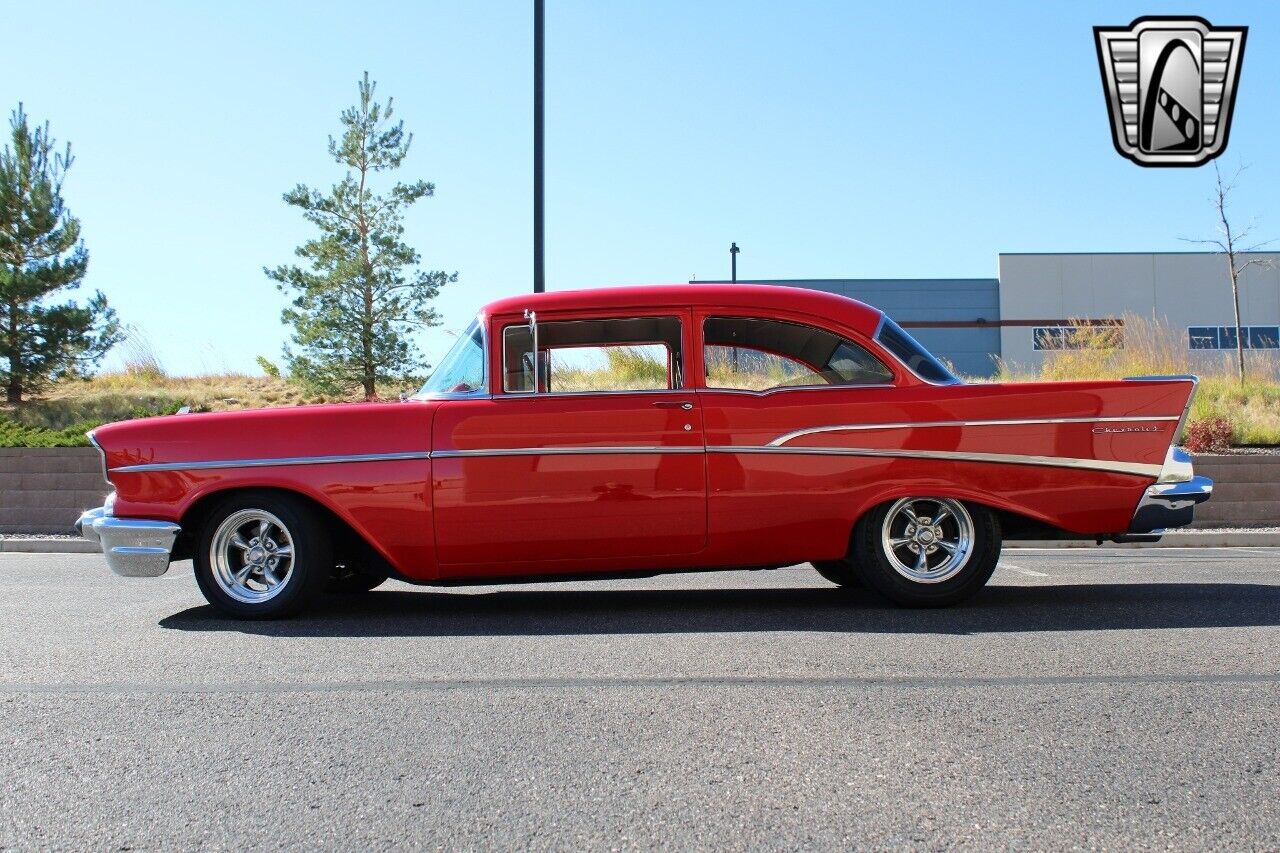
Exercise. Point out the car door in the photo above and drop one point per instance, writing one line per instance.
(762, 378)
(598, 465)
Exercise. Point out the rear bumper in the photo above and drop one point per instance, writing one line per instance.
(134, 547)
(1166, 505)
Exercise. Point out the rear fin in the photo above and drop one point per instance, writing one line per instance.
(1177, 463)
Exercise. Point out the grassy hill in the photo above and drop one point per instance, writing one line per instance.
(60, 417)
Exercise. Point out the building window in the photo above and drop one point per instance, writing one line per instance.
(1105, 336)
(1264, 337)
(1224, 337)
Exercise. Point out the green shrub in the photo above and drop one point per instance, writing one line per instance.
(97, 409)
(14, 434)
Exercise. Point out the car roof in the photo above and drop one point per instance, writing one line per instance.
(765, 297)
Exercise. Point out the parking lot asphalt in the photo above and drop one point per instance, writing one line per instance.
(1110, 699)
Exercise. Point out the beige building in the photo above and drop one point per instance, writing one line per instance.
(1041, 293)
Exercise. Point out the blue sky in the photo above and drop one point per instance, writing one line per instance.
(829, 139)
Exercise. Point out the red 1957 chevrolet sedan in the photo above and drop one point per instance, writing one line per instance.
(637, 430)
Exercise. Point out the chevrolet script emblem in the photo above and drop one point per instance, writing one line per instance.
(1170, 85)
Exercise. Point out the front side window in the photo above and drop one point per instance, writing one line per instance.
(750, 354)
(461, 371)
(580, 356)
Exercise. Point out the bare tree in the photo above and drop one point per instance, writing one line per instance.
(1229, 244)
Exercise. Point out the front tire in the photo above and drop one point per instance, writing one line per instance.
(262, 555)
(348, 581)
(927, 552)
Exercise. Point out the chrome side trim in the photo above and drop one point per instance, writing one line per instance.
(269, 463)
(449, 395)
(526, 395)
(790, 436)
(563, 451)
(1136, 468)
(780, 389)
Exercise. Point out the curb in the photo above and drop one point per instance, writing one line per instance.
(48, 546)
(1206, 539)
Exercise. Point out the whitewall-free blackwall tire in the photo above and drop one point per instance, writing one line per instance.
(927, 551)
(262, 555)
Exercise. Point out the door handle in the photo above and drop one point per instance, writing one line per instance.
(673, 404)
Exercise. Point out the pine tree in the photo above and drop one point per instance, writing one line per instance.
(42, 256)
(361, 294)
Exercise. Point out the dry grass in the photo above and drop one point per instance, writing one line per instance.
(620, 368)
(148, 391)
(142, 388)
(1151, 347)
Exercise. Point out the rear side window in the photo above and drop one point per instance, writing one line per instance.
(917, 359)
(751, 354)
(580, 356)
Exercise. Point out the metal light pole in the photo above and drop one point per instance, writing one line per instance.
(539, 272)
(733, 276)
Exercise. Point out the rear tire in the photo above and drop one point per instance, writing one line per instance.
(262, 555)
(839, 572)
(927, 552)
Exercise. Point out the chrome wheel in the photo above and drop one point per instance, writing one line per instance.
(252, 557)
(927, 540)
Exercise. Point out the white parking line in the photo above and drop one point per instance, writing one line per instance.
(1027, 572)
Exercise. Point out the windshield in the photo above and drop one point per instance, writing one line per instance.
(462, 370)
(917, 359)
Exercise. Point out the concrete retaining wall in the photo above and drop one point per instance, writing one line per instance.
(43, 490)
(1246, 491)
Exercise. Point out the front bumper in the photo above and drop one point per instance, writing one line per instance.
(134, 547)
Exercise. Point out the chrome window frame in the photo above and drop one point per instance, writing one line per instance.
(684, 387)
(702, 343)
(483, 389)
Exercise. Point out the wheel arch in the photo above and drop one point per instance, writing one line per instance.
(349, 543)
(1015, 520)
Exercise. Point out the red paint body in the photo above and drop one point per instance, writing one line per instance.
(472, 517)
